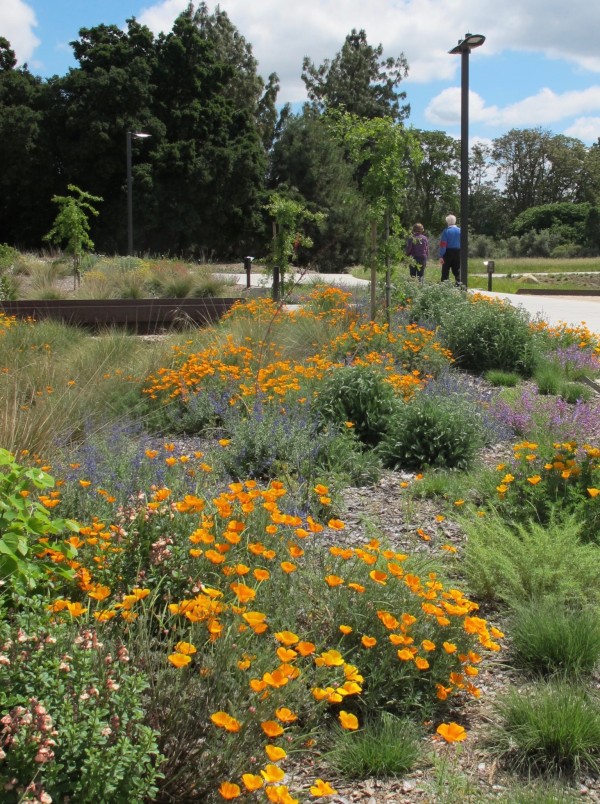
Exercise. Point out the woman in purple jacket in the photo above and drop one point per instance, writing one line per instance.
(417, 247)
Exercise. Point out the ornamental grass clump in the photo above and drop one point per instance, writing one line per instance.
(551, 638)
(386, 746)
(515, 563)
(551, 728)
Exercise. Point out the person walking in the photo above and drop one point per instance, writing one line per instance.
(417, 247)
(450, 250)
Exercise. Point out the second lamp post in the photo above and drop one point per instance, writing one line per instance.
(140, 135)
(464, 47)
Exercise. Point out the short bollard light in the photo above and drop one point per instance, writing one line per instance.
(490, 266)
(248, 269)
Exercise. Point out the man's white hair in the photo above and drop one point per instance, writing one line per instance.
(450, 220)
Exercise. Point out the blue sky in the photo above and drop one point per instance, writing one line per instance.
(539, 66)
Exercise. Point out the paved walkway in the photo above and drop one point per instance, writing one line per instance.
(573, 310)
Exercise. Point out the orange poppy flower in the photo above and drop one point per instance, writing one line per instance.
(271, 728)
(275, 753)
(228, 790)
(179, 659)
(348, 721)
(252, 782)
(451, 732)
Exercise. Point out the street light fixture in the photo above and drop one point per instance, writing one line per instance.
(464, 47)
(142, 136)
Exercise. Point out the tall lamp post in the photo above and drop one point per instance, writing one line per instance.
(142, 136)
(464, 47)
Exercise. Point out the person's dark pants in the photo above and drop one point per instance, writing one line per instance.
(451, 263)
(417, 269)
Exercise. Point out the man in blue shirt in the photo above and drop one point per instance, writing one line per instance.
(450, 250)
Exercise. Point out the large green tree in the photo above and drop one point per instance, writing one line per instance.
(358, 80)
(536, 167)
(209, 168)
(95, 105)
(309, 163)
(25, 184)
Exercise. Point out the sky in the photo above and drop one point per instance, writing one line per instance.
(539, 66)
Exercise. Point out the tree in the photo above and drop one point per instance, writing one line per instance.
(71, 226)
(94, 106)
(538, 168)
(358, 80)
(209, 168)
(289, 218)
(308, 163)
(434, 180)
(26, 167)
(382, 151)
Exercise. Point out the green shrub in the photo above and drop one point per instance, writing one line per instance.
(431, 304)
(516, 563)
(553, 729)
(432, 431)
(72, 710)
(387, 746)
(548, 637)
(360, 395)
(489, 335)
(23, 521)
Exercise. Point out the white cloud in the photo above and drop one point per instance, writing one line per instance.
(17, 21)
(586, 129)
(424, 30)
(540, 109)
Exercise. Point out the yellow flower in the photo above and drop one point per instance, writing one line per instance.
(334, 580)
(251, 781)
(286, 637)
(225, 721)
(451, 732)
(348, 721)
(285, 715)
(346, 629)
(428, 645)
(275, 753)
(179, 659)
(593, 492)
(330, 658)
(336, 524)
(321, 788)
(272, 773)
(185, 647)
(534, 480)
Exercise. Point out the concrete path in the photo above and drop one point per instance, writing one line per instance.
(265, 281)
(573, 310)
